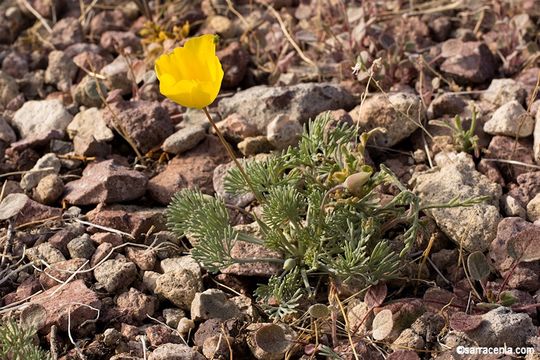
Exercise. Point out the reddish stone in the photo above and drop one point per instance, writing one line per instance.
(193, 169)
(74, 299)
(161, 334)
(134, 220)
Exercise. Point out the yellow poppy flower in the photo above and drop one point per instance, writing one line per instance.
(191, 75)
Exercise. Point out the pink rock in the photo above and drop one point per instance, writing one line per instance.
(75, 299)
(118, 41)
(62, 270)
(468, 62)
(66, 32)
(114, 20)
(106, 182)
(507, 148)
(136, 305)
(161, 334)
(193, 169)
(134, 220)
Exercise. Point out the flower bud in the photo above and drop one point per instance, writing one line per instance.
(354, 182)
(289, 264)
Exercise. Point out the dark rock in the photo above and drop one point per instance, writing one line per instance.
(468, 62)
(145, 122)
(120, 41)
(234, 59)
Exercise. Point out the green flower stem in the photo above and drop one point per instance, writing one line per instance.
(233, 156)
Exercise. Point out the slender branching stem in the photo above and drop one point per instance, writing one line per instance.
(233, 156)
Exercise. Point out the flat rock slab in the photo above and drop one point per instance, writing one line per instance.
(37, 117)
(261, 104)
(74, 300)
(106, 182)
(475, 226)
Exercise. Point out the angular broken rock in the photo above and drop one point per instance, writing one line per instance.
(213, 303)
(37, 117)
(459, 178)
(511, 119)
(114, 275)
(179, 287)
(260, 104)
(244, 250)
(147, 123)
(468, 62)
(90, 133)
(398, 114)
(106, 182)
(73, 300)
(21, 209)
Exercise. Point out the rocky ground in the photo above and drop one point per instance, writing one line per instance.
(91, 155)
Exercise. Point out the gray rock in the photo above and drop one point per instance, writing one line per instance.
(255, 145)
(501, 91)
(114, 275)
(184, 139)
(8, 89)
(511, 119)
(459, 178)
(175, 352)
(260, 104)
(90, 133)
(179, 287)
(181, 263)
(45, 251)
(117, 75)
(38, 117)
(502, 326)
(49, 189)
(7, 135)
(173, 317)
(150, 280)
(81, 247)
(213, 303)
(61, 70)
(220, 172)
(512, 207)
(533, 208)
(283, 132)
(197, 118)
(90, 92)
(399, 114)
(106, 182)
(111, 337)
(38, 172)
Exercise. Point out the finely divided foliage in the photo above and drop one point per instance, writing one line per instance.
(309, 216)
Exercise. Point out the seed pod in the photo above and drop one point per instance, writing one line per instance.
(289, 264)
(318, 311)
(354, 182)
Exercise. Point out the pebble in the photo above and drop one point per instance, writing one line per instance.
(61, 70)
(283, 132)
(32, 178)
(81, 247)
(211, 304)
(511, 119)
(48, 190)
(183, 140)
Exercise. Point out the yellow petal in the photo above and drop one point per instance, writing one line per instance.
(191, 75)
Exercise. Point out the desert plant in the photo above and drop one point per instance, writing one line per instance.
(17, 343)
(321, 210)
(464, 139)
